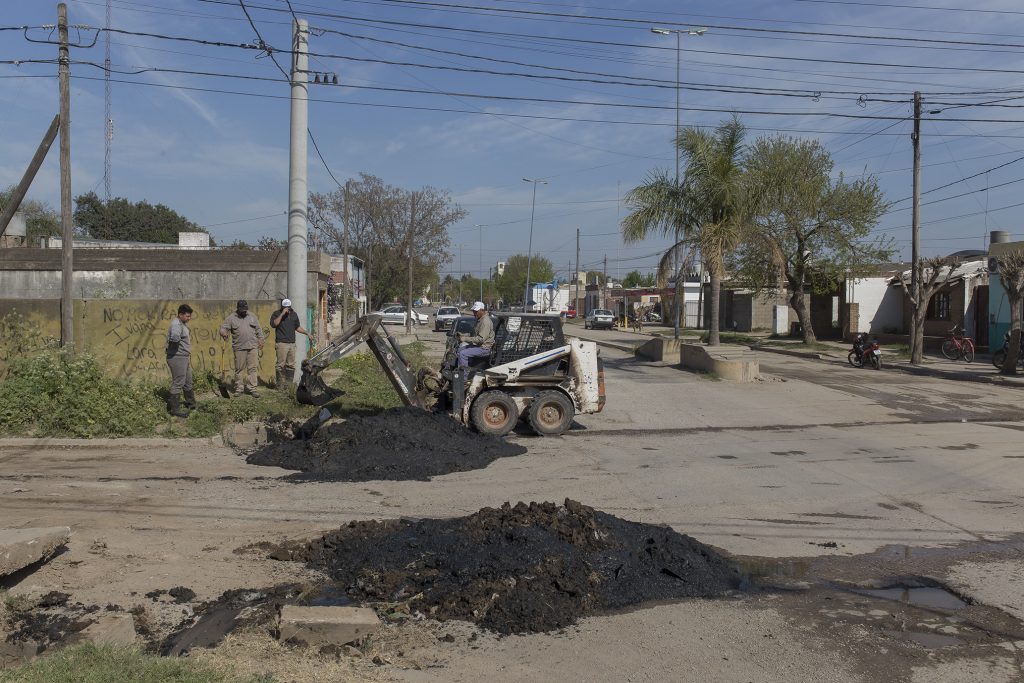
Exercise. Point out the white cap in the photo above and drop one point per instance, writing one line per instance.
(478, 306)
(286, 303)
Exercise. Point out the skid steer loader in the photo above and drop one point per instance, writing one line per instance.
(533, 372)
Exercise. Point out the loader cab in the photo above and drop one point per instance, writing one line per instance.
(516, 335)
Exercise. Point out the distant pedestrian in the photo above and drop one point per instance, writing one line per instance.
(179, 360)
(479, 343)
(285, 322)
(246, 342)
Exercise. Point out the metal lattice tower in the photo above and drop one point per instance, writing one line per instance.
(108, 116)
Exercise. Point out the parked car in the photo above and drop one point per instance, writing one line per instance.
(445, 317)
(597, 318)
(570, 312)
(395, 314)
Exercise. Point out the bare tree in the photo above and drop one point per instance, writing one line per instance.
(933, 274)
(1011, 275)
(382, 232)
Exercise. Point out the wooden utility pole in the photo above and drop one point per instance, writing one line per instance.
(346, 288)
(30, 173)
(67, 319)
(915, 255)
(604, 285)
(412, 239)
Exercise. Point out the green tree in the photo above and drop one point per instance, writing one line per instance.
(706, 209)
(121, 219)
(40, 218)
(512, 284)
(635, 278)
(807, 229)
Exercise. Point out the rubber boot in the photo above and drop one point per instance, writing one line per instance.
(174, 406)
(281, 381)
(190, 399)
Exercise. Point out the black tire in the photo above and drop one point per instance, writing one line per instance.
(949, 349)
(876, 362)
(855, 359)
(551, 413)
(494, 413)
(968, 352)
(999, 357)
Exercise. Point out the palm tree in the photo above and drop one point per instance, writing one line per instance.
(706, 209)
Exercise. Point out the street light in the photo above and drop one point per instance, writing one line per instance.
(481, 265)
(529, 249)
(679, 34)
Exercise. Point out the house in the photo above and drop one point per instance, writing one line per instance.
(962, 301)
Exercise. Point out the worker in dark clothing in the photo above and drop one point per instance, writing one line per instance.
(179, 360)
(285, 322)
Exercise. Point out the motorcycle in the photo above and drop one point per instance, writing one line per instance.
(865, 351)
(999, 357)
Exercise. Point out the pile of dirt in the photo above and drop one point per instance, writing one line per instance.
(397, 444)
(518, 569)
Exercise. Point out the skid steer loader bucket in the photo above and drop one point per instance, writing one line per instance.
(312, 390)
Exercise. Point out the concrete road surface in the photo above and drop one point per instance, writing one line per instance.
(825, 482)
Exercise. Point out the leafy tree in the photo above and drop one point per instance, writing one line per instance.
(635, 278)
(932, 275)
(512, 284)
(121, 219)
(1011, 275)
(706, 209)
(597, 276)
(41, 220)
(807, 229)
(388, 228)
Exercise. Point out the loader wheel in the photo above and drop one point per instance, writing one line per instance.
(551, 413)
(494, 413)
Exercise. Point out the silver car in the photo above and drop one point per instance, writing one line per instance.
(396, 315)
(445, 317)
(599, 317)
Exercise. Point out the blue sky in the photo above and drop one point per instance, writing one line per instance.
(215, 148)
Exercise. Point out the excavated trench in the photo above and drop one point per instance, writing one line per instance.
(397, 444)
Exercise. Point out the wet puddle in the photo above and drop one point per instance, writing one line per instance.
(925, 597)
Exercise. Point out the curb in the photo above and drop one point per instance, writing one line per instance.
(906, 368)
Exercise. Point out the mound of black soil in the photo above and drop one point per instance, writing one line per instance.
(397, 444)
(517, 569)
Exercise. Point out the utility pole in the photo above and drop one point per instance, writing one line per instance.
(576, 299)
(67, 318)
(297, 186)
(108, 124)
(412, 239)
(18, 194)
(481, 271)
(915, 282)
(604, 285)
(460, 273)
(348, 265)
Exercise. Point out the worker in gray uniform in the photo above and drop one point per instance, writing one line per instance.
(246, 342)
(479, 343)
(179, 360)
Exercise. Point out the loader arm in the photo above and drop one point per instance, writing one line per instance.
(312, 389)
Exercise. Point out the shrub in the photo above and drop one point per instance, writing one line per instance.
(50, 393)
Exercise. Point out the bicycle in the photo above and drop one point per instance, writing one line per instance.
(958, 345)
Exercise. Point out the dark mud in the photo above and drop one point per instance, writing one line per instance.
(397, 444)
(518, 569)
(49, 620)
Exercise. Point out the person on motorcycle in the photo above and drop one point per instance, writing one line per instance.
(479, 343)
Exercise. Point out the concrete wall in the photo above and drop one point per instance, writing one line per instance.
(880, 305)
(128, 336)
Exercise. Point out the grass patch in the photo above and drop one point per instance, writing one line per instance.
(366, 387)
(734, 338)
(800, 346)
(90, 664)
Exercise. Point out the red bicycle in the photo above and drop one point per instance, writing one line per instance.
(958, 345)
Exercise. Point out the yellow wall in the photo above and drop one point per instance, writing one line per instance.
(128, 336)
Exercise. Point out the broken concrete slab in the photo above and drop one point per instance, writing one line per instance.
(16, 654)
(20, 548)
(246, 434)
(110, 629)
(736, 363)
(326, 625)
